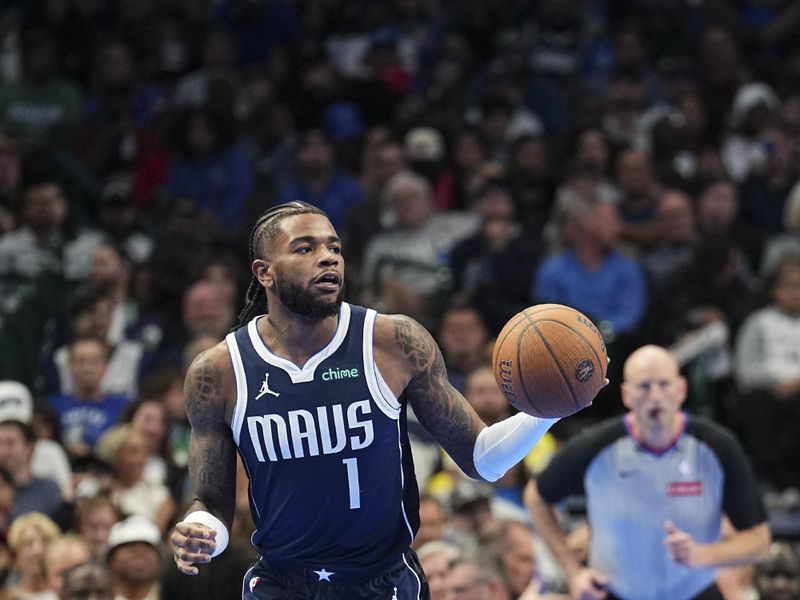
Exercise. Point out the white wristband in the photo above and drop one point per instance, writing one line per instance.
(502, 445)
(209, 520)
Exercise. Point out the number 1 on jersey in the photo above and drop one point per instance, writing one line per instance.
(352, 481)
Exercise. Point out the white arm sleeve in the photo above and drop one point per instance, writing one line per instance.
(502, 445)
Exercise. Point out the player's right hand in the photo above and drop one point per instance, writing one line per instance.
(589, 584)
(192, 543)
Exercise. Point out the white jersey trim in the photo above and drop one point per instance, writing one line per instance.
(378, 388)
(403, 486)
(305, 373)
(240, 407)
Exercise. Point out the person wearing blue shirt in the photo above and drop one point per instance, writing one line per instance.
(87, 413)
(319, 182)
(212, 170)
(593, 276)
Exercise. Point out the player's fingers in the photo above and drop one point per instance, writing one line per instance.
(186, 568)
(194, 530)
(195, 554)
(669, 527)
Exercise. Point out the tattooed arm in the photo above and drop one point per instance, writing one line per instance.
(212, 456)
(440, 408)
(417, 368)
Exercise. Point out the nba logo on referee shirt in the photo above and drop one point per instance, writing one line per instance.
(253, 583)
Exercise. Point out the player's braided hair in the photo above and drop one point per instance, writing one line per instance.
(262, 234)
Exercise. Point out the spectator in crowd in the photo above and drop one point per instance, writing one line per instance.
(59, 555)
(594, 276)
(666, 468)
(432, 518)
(778, 576)
(471, 579)
(318, 179)
(121, 109)
(217, 81)
(677, 238)
(118, 217)
(27, 538)
(639, 189)
(767, 413)
(126, 450)
(49, 460)
(134, 558)
(787, 242)
(31, 493)
(92, 314)
(148, 416)
(211, 169)
(510, 545)
(87, 412)
(754, 105)
(464, 339)
(42, 108)
(374, 215)
(765, 192)
(717, 216)
(406, 268)
(436, 557)
(44, 243)
(87, 581)
(94, 517)
(531, 181)
(493, 267)
(206, 309)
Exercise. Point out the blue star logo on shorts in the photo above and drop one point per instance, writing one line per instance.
(324, 575)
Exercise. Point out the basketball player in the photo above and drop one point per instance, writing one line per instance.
(313, 392)
(657, 483)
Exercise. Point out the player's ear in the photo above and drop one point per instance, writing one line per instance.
(262, 269)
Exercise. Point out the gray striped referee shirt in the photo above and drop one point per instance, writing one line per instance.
(631, 490)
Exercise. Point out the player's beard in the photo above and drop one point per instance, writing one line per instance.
(304, 304)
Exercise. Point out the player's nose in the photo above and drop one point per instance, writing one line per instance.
(329, 258)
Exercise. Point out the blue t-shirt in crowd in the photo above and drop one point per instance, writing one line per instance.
(84, 421)
(615, 292)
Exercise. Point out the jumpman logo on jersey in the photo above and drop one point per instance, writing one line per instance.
(394, 596)
(265, 388)
(324, 575)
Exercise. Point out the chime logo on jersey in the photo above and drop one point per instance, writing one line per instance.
(328, 430)
(334, 374)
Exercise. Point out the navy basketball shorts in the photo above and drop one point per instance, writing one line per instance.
(402, 581)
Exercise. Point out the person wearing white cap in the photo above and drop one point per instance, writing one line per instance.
(134, 557)
(17, 443)
(49, 460)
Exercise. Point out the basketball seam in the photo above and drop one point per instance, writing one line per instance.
(580, 335)
(555, 360)
(499, 343)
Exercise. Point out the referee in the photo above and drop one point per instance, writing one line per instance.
(657, 483)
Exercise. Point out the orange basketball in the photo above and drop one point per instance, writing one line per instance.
(549, 360)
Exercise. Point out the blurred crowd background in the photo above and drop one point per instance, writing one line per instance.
(635, 159)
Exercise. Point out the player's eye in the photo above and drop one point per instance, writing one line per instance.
(336, 249)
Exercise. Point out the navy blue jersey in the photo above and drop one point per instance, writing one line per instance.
(325, 447)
